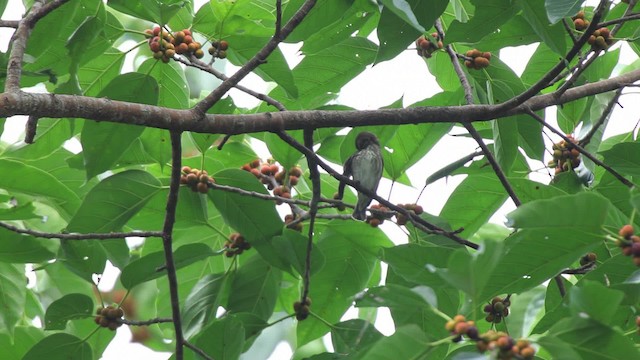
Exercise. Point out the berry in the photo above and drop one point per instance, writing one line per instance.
(202, 188)
(223, 45)
(480, 62)
(222, 54)
(626, 231)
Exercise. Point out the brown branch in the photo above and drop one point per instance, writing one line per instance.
(544, 81)
(88, 236)
(430, 228)
(9, 23)
(620, 20)
(560, 283)
(201, 108)
(30, 129)
(468, 95)
(194, 62)
(278, 19)
(167, 238)
(144, 322)
(71, 106)
(605, 114)
(313, 209)
(582, 151)
(196, 350)
(19, 41)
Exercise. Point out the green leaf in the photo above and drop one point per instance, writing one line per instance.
(223, 338)
(354, 335)
(159, 12)
(292, 247)
(85, 34)
(60, 346)
(416, 263)
(624, 157)
(594, 300)
(489, 15)
(20, 177)
(25, 337)
(203, 301)
(402, 9)
(68, 307)
(286, 155)
(152, 266)
(408, 342)
(17, 248)
(103, 143)
(255, 288)
(559, 9)
(534, 12)
(96, 74)
(12, 295)
(111, 203)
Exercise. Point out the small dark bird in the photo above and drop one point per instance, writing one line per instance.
(365, 166)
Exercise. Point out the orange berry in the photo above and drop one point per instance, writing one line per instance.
(626, 231)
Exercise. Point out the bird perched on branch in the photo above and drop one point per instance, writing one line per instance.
(365, 167)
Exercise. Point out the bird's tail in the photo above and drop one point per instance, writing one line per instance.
(360, 211)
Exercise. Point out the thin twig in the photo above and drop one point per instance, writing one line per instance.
(560, 283)
(278, 19)
(605, 114)
(581, 150)
(201, 108)
(167, 238)
(468, 95)
(19, 41)
(88, 236)
(30, 129)
(9, 23)
(314, 174)
(544, 81)
(415, 219)
(581, 270)
(197, 350)
(194, 62)
(145, 322)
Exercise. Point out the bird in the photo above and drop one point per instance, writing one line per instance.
(365, 167)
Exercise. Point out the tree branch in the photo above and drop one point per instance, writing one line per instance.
(19, 41)
(313, 209)
(88, 236)
(167, 238)
(605, 114)
(9, 23)
(201, 108)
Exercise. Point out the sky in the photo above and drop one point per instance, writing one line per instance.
(405, 76)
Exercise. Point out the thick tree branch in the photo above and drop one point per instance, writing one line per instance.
(61, 106)
(201, 108)
(19, 41)
(167, 238)
(88, 236)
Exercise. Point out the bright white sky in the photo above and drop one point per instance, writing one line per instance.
(405, 76)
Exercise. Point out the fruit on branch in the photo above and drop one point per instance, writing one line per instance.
(219, 49)
(379, 213)
(166, 45)
(109, 317)
(601, 39)
(588, 259)
(579, 22)
(475, 59)
(301, 309)
(196, 180)
(402, 219)
(289, 218)
(565, 156)
(497, 309)
(629, 243)
(236, 245)
(426, 47)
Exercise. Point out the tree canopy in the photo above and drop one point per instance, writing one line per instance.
(135, 155)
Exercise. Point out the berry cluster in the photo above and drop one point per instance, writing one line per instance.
(236, 245)
(219, 49)
(588, 259)
(504, 346)
(629, 243)
(109, 317)
(274, 177)
(426, 47)
(288, 219)
(579, 21)
(565, 156)
(601, 39)
(166, 45)
(302, 309)
(401, 219)
(459, 326)
(379, 213)
(196, 180)
(497, 309)
(476, 59)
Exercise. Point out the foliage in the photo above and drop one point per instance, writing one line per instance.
(246, 275)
